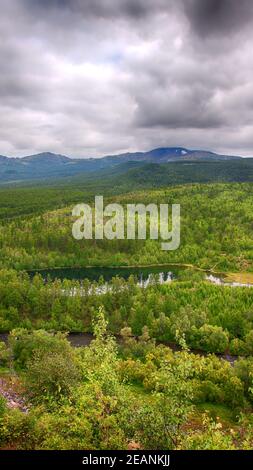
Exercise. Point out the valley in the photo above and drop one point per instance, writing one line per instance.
(136, 314)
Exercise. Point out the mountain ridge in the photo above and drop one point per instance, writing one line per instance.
(159, 152)
(50, 165)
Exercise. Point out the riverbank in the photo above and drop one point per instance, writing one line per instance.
(78, 340)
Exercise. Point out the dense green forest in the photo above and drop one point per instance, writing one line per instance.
(132, 392)
(216, 232)
(211, 318)
(27, 198)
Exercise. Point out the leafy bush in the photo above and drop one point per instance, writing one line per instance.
(17, 428)
(244, 371)
(64, 430)
(238, 347)
(211, 338)
(207, 391)
(211, 438)
(52, 375)
(24, 344)
(2, 406)
(4, 354)
(249, 343)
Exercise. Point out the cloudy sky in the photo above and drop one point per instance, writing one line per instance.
(94, 77)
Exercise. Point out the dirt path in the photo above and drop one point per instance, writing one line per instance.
(9, 390)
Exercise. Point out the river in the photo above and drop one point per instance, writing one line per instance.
(78, 340)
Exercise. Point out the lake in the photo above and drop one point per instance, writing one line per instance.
(94, 273)
(143, 274)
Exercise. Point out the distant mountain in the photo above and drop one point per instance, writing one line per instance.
(49, 165)
(45, 158)
(167, 154)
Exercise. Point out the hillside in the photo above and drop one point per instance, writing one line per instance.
(50, 165)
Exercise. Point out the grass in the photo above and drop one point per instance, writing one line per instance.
(222, 412)
(243, 277)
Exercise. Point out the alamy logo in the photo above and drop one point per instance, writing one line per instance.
(131, 222)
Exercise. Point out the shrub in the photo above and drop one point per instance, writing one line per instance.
(24, 344)
(207, 391)
(249, 343)
(243, 369)
(213, 338)
(52, 375)
(131, 370)
(234, 392)
(64, 430)
(237, 347)
(211, 438)
(2, 406)
(4, 354)
(17, 428)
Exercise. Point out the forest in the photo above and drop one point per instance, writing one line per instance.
(19, 198)
(216, 232)
(167, 366)
(210, 318)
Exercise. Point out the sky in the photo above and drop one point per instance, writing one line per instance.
(89, 78)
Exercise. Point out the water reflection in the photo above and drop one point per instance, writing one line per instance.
(162, 278)
(143, 282)
(221, 282)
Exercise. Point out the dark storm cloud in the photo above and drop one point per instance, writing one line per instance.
(89, 77)
(178, 110)
(218, 16)
(206, 16)
(102, 8)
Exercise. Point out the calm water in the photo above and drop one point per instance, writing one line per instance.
(142, 274)
(93, 274)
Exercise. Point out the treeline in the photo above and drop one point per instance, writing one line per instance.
(30, 200)
(211, 318)
(154, 175)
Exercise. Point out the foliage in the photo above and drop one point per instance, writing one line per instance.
(18, 428)
(4, 354)
(99, 407)
(140, 392)
(2, 406)
(159, 424)
(216, 225)
(51, 375)
(211, 437)
(26, 344)
(211, 318)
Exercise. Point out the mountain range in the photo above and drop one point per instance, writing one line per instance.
(49, 165)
